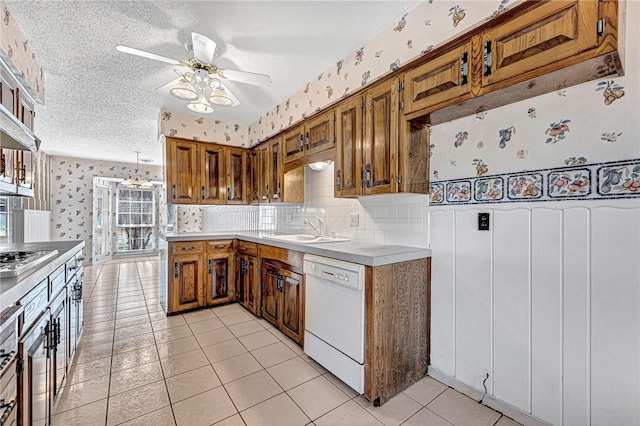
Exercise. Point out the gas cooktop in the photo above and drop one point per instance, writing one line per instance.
(14, 263)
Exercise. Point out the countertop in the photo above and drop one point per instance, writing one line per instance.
(14, 288)
(351, 251)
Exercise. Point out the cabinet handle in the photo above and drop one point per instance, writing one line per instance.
(81, 259)
(367, 175)
(307, 141)
(173, 190)
(338, 181)
(7, 357)
(8, 408)
(3, 165)
(488, 58)
(209, 265)
(175, 269)
(464, 68)
(220, 246)
(277, 194)
(187, 248)
(73, 267)
(300, 143)
(228, 193)
(58, 332)
(291, 281)
(266, 192)
(202, 192)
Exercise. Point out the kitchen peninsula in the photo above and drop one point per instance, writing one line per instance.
(269, 277)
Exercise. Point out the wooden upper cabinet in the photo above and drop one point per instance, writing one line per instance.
(264, 159)
(319, 133)
(380, 144)
(8, 94)
(276, 171)
(236, 167)
(544, 35)
(253, 173)
(212, 174)
(348, 160)
(441, 79)
(182, 159)
(293, 143)
(8, 166)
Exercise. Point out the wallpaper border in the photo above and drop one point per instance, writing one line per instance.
(613, 180)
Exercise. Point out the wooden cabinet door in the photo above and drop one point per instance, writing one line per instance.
(254, 176)
(545, 34)
(7, 166)
(276, 170)
(236, 176)
(35, 380)
(212, 175)
(220, 278)
(348, 163)
(270, 283)
(8, 94)
(319, 133)
(186, 283)
(182, 161)
(264, 176)
(24, 172)
(293, 143)
(442, 79)
(380, 143)
(58, 345)
(248, 280)
(292, 305)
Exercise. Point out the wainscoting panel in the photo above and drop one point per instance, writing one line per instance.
(615, 316)
(443, 291)
(473, 299)
(547, 302)
(512, 309)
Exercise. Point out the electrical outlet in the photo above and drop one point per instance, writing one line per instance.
(483, 221)
(354, 220)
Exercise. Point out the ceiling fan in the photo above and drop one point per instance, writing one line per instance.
(201, 81)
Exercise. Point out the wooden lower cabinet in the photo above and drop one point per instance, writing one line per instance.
(283, 299)
(187, 283)
(36, 377)
(219, 281)
(58, 345)
(248, 283)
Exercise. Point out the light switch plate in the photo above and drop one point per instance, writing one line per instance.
(354, 220)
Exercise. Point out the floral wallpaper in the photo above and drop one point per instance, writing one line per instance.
(15, 48)
(201, 129)
(430, 24)
(72, 194)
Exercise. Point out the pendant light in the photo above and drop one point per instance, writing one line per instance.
(137, 181)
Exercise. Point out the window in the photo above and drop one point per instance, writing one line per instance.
(135, 219)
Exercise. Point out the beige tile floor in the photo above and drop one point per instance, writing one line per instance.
(221, 366)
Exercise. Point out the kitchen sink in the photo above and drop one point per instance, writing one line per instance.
(306, 239)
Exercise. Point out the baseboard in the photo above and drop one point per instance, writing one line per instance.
(490, 401)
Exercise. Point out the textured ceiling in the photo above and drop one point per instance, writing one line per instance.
(100, 103)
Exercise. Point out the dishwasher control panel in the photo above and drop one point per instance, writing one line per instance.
(335, 271)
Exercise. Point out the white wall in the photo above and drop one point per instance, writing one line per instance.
(547, 303)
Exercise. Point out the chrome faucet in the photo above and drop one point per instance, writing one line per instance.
(319, 229)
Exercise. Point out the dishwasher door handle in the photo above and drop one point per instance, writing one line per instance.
(327, 276)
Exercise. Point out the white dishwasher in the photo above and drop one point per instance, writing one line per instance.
(334, 317)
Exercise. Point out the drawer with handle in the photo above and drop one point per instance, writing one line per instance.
(187, 247)
(8, 338)
(34, 304)
(71, 267)
(245, 247)
(8, 396)
(219, 245)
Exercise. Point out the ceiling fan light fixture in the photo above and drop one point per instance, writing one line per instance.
(220, 97)
(183, 91)
(200, 106)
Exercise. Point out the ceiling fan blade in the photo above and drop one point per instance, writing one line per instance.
(233, 97)
(142, 53)
(170, 84)
(255, 79)
(204, 49)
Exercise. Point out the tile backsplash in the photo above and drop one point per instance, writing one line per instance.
(400, 219)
